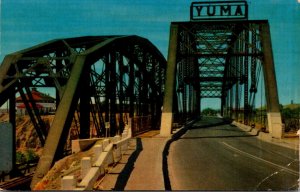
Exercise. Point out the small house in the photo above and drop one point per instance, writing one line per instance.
(44, 103)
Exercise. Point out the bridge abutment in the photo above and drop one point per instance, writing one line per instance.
(275, 125)
(166, 124)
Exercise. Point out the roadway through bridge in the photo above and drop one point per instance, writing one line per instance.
(220, 156)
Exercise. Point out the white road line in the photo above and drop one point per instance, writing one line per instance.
(260, 159)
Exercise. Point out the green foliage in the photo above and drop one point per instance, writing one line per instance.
(287, 113)
(290, 117)
(20, 158)
(31, 155)
(209, 112)
(27, 156)
(290, 112)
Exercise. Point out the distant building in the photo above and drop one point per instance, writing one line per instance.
(45, 103)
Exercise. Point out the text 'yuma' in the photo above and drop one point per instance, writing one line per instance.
(219, 10)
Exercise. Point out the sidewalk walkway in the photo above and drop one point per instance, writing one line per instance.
(147, 174)
(289, 142)
(140, 168)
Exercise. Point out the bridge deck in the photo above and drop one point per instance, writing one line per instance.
(143, 170)
(221, 156)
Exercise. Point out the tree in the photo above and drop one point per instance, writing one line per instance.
(20, 158)
(209, 112)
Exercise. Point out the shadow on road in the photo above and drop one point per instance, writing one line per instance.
(221, 136)
(125, 174)
(210, 124)
(223, 126)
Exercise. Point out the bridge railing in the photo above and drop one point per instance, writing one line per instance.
(141, 124)
(182, 118)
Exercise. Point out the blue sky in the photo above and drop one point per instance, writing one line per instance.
(25, 23)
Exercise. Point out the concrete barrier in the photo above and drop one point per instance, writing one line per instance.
(97, 151)
(105, 143)
(68, 183)
(110, 158)
(83, 144)
(86, 165)
(88, 181)
(117, 154)
(107, 153)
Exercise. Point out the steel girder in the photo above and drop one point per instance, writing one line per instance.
(97, 78)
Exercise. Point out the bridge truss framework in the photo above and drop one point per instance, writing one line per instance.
(219, 59)
(97, 79)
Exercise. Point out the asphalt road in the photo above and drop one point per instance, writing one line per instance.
(223, 157)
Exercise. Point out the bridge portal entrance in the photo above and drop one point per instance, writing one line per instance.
(220, 54)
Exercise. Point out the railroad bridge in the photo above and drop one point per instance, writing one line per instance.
(102, 82)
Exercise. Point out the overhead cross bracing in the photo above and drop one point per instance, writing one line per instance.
(215, 45)
(97, 80)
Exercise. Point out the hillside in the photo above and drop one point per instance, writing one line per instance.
(27, 138)
(288, 106)
(291, 106)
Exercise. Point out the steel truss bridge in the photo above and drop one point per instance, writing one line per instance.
(99, 79)
(219, 59)
(113, 79)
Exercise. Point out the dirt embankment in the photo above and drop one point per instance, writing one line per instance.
(69, 165)
(26, 135)
(27, 142)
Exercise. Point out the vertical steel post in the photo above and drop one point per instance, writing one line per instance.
(85, 106)
(12, 120)
(237, 84)
(237, 108)
(143, 87)
(131, 89)
(236, 100)
(107, 86)
(167, 113)
(253, 88)
(58, 67)
(113, 95)
(272, 101)
(246, 86)
(231, 103)
(222, 108)
(121, 92)
(197, 92)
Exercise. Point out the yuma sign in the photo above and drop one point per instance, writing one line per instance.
(219, 10)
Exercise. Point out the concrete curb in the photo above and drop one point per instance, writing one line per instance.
(175, 136)
(267, 136)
